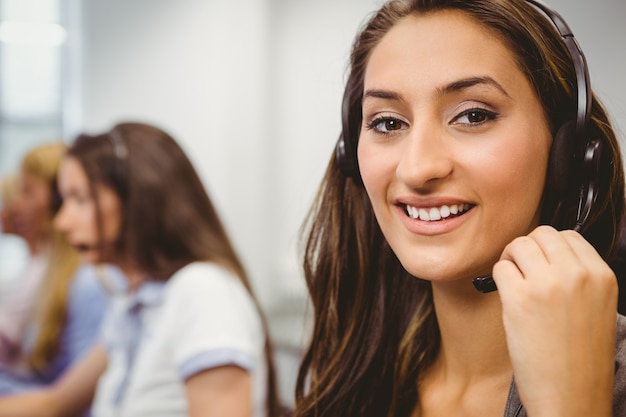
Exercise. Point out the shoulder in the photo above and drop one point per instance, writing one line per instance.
(85, 276)
(204, 289)
(206, 278)
(86, 286)
(87, 304)
(208, 288)
(202, 270)
(219, 313)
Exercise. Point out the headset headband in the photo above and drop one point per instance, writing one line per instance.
(120, 152)
(580, 65)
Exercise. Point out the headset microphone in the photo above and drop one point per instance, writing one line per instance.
(484, 284)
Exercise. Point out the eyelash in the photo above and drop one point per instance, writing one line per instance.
(372, 125)
(487, 115)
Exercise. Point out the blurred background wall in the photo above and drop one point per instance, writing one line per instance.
(250, 89)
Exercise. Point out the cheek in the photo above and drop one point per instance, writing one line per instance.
(111, 223)
(38, 209)
(44, 207)
(376, 171)
(517, 180)
(81, 221)
(111, 230)
(89, 223)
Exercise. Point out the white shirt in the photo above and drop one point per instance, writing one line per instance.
(18, 304)
(202, 317)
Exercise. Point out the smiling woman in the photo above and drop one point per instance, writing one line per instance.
(459, 138)
(470, 144)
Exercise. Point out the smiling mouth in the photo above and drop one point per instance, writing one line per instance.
(433, 214)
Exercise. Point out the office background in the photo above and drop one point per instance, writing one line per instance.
(250, 89)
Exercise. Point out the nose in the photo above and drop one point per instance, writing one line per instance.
(426, 157)
(60, 220)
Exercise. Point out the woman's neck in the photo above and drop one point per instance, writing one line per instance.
(473, 340)
(134, 276)
(36, 246)
(472, 372)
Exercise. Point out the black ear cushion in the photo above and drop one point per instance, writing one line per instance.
(561, 175)
(343, 158)
(345, 150)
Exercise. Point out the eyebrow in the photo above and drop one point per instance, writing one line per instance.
(471, 82)
(450, 88)
(382, 94)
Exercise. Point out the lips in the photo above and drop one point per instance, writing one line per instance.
(432, 214)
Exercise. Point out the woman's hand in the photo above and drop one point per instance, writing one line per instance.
(559, 302)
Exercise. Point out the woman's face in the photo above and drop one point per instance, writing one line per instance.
(78, 216)
(454, 145)
(32, 209)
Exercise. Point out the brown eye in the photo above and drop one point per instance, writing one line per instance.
(475, 116)
(385, 125)
(390, 124)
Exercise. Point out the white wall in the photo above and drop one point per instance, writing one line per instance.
(599, 26)
(252, 91)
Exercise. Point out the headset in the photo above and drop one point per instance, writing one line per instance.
(120, 152)
(566, 145)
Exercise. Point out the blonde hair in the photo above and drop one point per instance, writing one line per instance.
(43, 161)
(7, 189)
(50, 310)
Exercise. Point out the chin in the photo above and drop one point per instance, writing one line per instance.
(88, 260)
(90, 257)
(441, 271)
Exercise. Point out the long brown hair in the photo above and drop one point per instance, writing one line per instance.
(50, 311)
(169, 220)
(374, 330)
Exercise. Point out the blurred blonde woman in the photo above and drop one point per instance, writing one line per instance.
(52, 312)
(7, 195)
(13, 250)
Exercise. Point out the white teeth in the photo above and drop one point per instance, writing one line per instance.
(435, 213)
